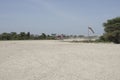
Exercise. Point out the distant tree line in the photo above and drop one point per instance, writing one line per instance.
(25, 36)
(29, 36)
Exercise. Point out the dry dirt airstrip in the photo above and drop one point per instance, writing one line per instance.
(56, 60)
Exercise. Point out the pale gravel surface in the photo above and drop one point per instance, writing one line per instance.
(55, 60)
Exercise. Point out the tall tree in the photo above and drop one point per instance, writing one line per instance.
(28, 35)
(5, 36)
(112, 30)
(13, 35)
(43, 36)
(22, 35)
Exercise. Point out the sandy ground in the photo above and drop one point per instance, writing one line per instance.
(56, 60)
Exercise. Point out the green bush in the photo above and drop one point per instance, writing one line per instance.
(112, 31)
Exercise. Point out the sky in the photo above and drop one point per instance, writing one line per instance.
(57, 16)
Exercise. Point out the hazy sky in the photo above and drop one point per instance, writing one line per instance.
(56, 16)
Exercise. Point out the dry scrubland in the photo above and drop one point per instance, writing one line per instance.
(56, 60)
